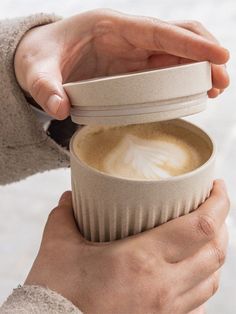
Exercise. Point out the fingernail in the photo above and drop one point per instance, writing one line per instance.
(53, 103)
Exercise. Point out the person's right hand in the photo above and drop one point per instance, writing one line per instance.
(170, 269)
(105, 42)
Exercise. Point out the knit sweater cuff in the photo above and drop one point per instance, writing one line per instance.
(25, 148)
(35, 299)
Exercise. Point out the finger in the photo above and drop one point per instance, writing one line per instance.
(165, 60)
(61, 222)
(213, 93)
(197, 28)
(200, 294)
(185, 235)
(205, 262)
(220, 77)
(156, 35)
(45, 86)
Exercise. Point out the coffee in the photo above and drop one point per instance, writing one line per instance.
(150, 151)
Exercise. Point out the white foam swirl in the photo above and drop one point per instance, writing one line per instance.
(144, 159)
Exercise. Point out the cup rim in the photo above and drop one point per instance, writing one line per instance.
(152, 181)
(135, 74)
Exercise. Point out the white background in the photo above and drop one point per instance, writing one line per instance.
(25, 205)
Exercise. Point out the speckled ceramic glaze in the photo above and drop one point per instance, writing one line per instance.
(141, 97)
(108, 208)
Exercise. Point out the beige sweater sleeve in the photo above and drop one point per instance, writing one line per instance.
(24, 146)
(24, 150)
(37, 300)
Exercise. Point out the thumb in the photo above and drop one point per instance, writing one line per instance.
(45, 86)
(61, 223)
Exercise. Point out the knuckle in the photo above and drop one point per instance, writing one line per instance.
(206, 226)
(38, 84)
(156, 26)
(133, 262)
(104, 13)
(104, 21)
(141, 262)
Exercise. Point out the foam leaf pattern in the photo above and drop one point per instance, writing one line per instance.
(139, 158)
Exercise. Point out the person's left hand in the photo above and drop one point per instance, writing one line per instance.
(105, 42)
(174, 267)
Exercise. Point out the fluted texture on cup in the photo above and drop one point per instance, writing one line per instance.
(97, 223)
(108, 208)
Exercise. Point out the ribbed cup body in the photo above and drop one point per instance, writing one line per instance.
(109, 208)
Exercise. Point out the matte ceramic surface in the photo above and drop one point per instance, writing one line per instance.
(141, 97)
(109, 208)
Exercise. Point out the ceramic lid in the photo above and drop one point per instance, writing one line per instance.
(141, 97)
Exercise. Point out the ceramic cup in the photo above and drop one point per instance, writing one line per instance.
(109, 208)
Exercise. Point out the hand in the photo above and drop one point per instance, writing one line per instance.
(105, 42)
(169, 269)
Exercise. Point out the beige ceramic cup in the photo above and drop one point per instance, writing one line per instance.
(108, 208)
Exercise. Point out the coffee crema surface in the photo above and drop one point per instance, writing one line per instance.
(150, 151)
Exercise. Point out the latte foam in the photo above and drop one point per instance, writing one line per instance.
(141, 152)
(144, 159)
